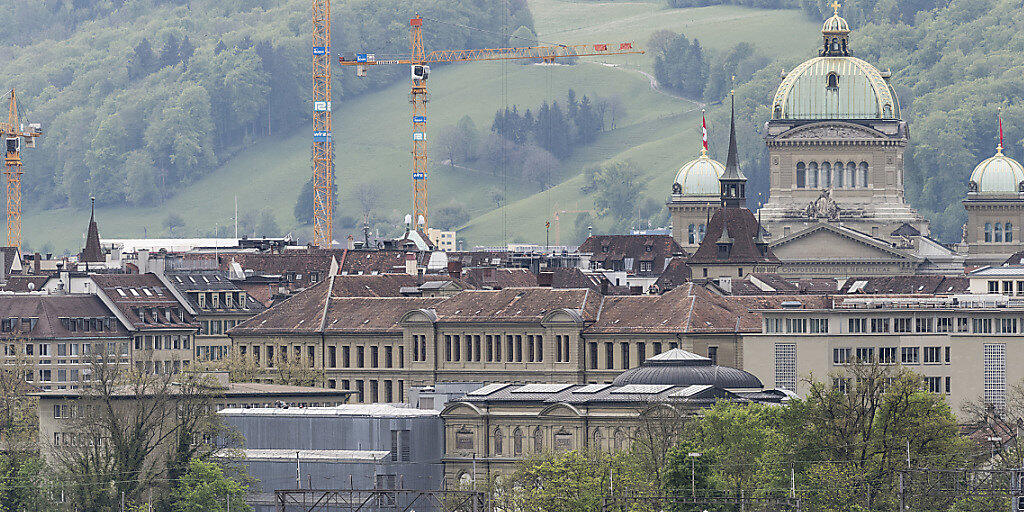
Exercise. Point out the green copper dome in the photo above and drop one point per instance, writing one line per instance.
(699, 177)
(835, 88)
(835, 85)
(997, 175)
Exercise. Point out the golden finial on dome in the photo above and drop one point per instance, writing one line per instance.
(835, 8)
(999, 114)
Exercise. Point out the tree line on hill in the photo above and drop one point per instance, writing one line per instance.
(138, 98)
(530, 143)
(860, 11)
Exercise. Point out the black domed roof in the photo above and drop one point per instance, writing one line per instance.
(681, 368)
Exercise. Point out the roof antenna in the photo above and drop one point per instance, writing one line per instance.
(999, 114)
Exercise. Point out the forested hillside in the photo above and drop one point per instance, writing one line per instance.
(139, 98)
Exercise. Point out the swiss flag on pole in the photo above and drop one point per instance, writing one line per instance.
(600, 47)
(704, 129)
(626, 46)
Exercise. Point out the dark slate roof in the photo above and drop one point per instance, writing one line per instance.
(656, 249)
(905, 230)
(1016, 258)
(678, 367)
(738, 226)
(130, 292)
(24, 283)
(188, 281)
(497, 278)
(49, 309)
(906, 285)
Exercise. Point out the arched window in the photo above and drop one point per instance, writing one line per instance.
(999, 232)
(835, 44)
(812, 175)
(692, 231)
(839, 175)
(864, 174)
(517, 441)
(988, 231)
(801, 175)
(619, 440)
(833, 79)
(778, 112)
(887, 111)
(498, 445)
(851, 174)
(700, 233)
(1008, 232)
(826, 175)
(465, 480)
(598, 440)
(538, 440)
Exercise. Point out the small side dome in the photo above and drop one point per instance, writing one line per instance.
(999, 174)
(678, 367)
(699, 177)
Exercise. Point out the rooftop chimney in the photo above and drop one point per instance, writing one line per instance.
(410, 264)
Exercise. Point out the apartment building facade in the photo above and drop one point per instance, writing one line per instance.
(965, 347)
(161, 328)
(53, 340)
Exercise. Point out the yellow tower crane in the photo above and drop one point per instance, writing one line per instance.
(420, 71)
(14, 133)
(323, 145)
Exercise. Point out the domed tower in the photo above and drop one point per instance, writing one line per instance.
(995, 210)
(836, 142)
(695, 196)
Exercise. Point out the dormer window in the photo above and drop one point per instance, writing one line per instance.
(832, 81)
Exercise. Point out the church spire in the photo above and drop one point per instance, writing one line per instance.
(733, 182)
(92, 252)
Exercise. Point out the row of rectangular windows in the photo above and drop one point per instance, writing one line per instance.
(372, 391)
(890, 355)
(65, 349)
(884, 325)
(929, 384)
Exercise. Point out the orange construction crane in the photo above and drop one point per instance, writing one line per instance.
(14, 133)
(420, 70)
(323, 143)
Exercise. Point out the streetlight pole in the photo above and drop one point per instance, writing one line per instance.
(693, 473)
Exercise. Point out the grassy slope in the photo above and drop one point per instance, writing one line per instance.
(372, 135)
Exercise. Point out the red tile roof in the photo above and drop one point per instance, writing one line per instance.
(738, 226)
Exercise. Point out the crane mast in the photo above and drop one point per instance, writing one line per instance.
(419, 99)
(420, 71)
(323, 143)
(13, 134)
